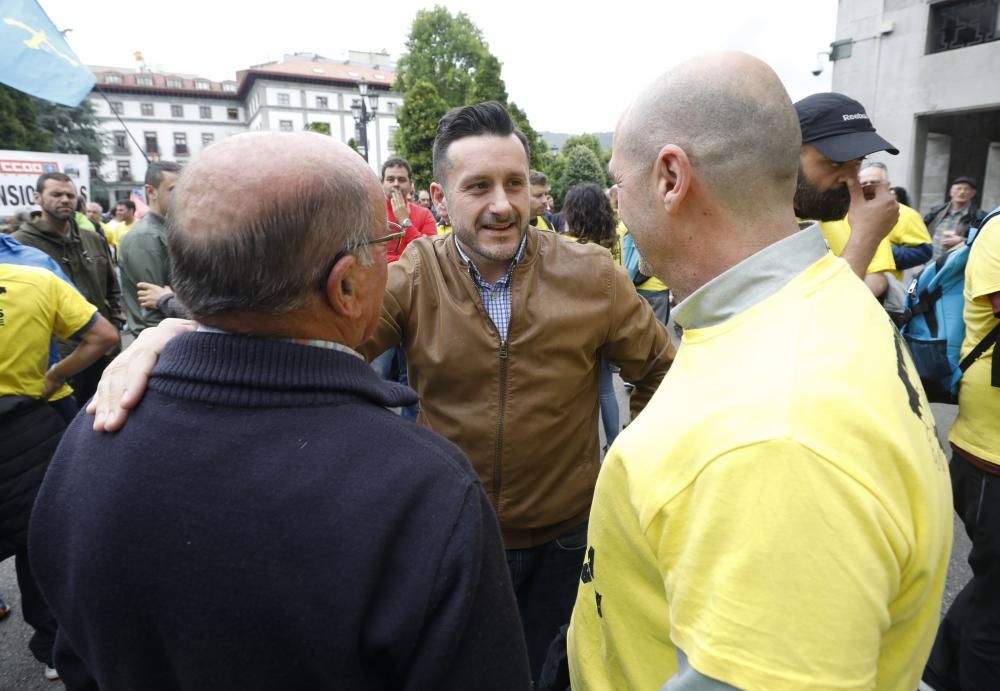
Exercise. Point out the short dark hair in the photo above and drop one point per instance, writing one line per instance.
(127, 203)
(588, 214)
(397, 163)
(45, 177)
(156, 169)
(536, 178)
(472, 121)
(81, 202)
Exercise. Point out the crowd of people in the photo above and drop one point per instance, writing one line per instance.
(380, 410)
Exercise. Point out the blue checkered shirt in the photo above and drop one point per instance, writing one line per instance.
(495, 296)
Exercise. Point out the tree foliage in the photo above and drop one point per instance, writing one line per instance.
(73, 130)
(319, 127)
(447, 58)
(582, 165)
(19, 130)
(418, 118)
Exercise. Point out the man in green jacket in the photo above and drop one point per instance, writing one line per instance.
(143, 252)
(83, 255)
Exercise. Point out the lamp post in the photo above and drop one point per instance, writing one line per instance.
(364, 109)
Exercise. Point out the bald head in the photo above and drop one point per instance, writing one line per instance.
(256, 218)
(732, 117)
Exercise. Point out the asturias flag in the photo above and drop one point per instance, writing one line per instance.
(35, 58)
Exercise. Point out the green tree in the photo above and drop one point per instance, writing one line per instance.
(443, 49)
(487, 84)
(448, 53)
(582, 165)
(354, 145)
(418, 118)
(594, 144)
(320, 127)
(73, 130)
(19, 130)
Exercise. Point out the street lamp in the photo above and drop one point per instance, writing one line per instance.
(364, 112)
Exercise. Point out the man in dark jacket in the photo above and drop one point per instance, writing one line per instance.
(279, 471)
(83, 255)
(949, 223)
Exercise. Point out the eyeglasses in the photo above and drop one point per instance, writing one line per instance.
(392, 240)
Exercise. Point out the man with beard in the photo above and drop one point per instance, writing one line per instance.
(836, 135)
(504, 327)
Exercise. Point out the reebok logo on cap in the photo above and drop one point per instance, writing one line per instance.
(855, 116)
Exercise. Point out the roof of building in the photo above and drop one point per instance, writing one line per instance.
(318, 70)
(125, 79)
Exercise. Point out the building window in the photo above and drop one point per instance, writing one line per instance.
(152, 147)
(180, 144)
(175, 83)
(112, 79)
(392, 106)
(117, 107)
(284, 100)
(285, 125)
(322, 102)
(962, 23)
(393, 134)
(205, 112)
(146, 108)
(176, 111)
(232, 114)
(230, 87)
(124, 171)
(201, 85)
(120, 143)
(207, 138)
(144, 80)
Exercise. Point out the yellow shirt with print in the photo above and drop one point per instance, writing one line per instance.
(909, 231)
(34, 305)
(781, 511)
(977, 427)
(653, 283)
(837, 234)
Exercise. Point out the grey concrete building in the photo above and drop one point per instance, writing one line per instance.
(928, 73)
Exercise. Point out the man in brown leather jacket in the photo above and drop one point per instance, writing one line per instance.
(504, 327)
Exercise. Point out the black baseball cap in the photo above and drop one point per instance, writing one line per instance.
(971, 182)
(839, 127)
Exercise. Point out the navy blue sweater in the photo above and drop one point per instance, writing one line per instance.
(264, 522)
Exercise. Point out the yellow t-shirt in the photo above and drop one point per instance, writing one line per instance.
(652, 283)
(977, 427)
(909, 231)
(119, 231)
(781, 511)
(837, 233)
(444, 230)
(34, 304)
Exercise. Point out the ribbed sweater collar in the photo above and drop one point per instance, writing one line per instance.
(247, 372)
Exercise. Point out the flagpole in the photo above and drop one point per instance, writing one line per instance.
(119, 117)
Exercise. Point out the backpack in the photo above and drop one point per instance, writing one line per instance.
(936, 326)
(630, 260)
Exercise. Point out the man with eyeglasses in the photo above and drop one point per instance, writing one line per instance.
(278, 472)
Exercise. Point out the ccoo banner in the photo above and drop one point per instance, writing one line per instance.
(19, 171)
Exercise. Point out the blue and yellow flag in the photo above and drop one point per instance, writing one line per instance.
(35, 58)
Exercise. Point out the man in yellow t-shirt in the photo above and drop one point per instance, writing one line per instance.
(778, 517)
(125, 214)
(34, 305)
(965, 653)
(910, 240)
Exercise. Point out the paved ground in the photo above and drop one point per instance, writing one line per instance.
(20, 672)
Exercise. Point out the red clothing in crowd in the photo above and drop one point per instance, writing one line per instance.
(423, 224)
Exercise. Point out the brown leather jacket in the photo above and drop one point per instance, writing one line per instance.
(525, 412)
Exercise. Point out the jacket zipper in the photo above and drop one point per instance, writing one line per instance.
(500, 421)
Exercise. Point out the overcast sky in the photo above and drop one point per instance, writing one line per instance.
(571, 69)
